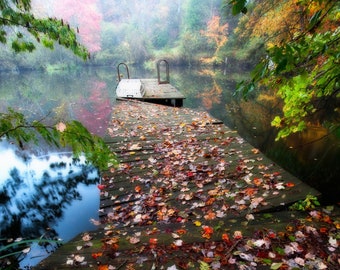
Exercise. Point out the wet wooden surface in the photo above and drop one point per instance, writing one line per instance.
(181, 172)
(155, 90)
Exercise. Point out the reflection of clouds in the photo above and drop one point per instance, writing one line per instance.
(34, 193)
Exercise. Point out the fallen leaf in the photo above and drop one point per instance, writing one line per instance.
(207, 231)
(69, 261)
(153, 242)
(95, 222)
(178, 243)
(238, 235)
(276, 265)
(136, 146)
(79, 258)
(181, 231)
(96, 255)
(101, 187)
(197, 223)
(134, 240)
(86, 237)
(247, 257)
(138, 189)
(225, 237)
(26, 250)
(175, 235)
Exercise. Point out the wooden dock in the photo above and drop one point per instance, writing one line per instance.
(157, 91)
(189, 192)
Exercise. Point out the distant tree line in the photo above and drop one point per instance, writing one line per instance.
(131, 31)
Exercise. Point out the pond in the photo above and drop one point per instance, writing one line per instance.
(51, 195)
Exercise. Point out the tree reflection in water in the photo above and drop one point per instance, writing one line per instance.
(34, 193)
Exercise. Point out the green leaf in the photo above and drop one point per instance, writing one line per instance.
(267, 261)
(276, 266)
(204, 266)
(315, 18)
(238, 6)
(280, 251)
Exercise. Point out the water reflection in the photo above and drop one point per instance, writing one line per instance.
(73, 95)
(35, 192)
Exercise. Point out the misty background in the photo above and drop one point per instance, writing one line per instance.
(131, 31)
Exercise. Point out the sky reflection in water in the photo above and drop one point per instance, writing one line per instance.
(52, 197)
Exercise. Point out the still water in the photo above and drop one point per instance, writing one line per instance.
(53, 191)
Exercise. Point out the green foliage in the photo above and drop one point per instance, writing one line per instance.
(14, 126)
(17, 14)
(82, 141)
(304, 70)
(309, 203)
(238, 6)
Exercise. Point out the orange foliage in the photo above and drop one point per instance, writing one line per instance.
(215, 32)
(217, 35)
(279, 20)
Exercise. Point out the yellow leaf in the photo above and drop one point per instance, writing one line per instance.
(197, 223)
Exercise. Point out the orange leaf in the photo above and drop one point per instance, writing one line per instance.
(289, 228)
(207, 232)
(181, 231)
(257, 181)
(250, 191)
(208, 229)
(96, 255)
(210, 215)
(103, 267)
(225, 238)
(153, 241)
(207, 259)
(290, 184)
(327, 219)
(138, 189)
(210, 201)
(323, 230)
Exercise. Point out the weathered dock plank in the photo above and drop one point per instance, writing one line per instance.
(131, 248)
(187, 186)
(160, 91)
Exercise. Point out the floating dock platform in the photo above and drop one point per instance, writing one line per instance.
(158, 91)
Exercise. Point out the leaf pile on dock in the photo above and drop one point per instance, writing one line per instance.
(189, 193)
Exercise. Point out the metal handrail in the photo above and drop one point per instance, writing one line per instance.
(167, 72)
(127, 71)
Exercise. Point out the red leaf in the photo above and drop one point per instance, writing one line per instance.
(101, 187)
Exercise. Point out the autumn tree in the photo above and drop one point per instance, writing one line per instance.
(217, 35)
(84, 15)
(302, 59)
